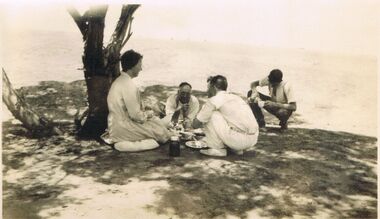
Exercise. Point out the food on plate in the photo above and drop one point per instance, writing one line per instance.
(196, 144)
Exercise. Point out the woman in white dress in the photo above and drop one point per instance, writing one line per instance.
(132, 128)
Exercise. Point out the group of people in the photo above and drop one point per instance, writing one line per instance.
(227, 120)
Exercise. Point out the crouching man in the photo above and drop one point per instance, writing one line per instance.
(281, 102)
(227, 120)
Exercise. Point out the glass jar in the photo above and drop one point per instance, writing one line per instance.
(174, 147)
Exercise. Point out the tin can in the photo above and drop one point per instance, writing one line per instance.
(174, 148)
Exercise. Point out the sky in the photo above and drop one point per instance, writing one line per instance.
(341, 26)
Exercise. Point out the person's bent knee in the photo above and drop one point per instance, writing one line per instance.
(284, 113)
(164, 139)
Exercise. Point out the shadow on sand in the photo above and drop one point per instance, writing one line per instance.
(302, 172)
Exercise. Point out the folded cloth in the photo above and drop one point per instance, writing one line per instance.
(134, 146)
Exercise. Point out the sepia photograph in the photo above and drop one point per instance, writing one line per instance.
(189, 109)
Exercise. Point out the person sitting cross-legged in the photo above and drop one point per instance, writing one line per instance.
(129, 125)
(281, 102)
(227, 120)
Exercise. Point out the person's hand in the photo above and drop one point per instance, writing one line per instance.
(187, 124)
(179, 107)
(149, 114)
(254, 93)
(253, 99)
(269, 103)
(185, 107)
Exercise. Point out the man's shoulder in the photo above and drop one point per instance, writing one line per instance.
(171, 98)
(219, 99)
(194, 98)
(286, 84)
(288, 90)
(264, 82)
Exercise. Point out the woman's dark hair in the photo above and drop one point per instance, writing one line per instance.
(184, 84)
(129, 59)
(219, 81)
(275, 76)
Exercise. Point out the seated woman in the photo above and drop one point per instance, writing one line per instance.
(132, 128)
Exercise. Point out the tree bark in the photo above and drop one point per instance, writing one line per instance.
(37, 125)
(94, 73)
(101, 65)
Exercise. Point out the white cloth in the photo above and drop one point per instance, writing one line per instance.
(126, 120)
(223, 111)
(283, 94)
(129, 146)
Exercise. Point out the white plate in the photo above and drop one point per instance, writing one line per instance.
(196, 144)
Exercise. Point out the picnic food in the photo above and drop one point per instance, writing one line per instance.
(196, 144)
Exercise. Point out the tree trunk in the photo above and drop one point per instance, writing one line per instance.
(95, 76)
(101, 65)
(36, 124)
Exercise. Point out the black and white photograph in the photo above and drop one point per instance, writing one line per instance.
(189, 109)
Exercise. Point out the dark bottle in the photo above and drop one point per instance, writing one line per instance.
(174, 148)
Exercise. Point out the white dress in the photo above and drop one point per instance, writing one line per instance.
(126, 119)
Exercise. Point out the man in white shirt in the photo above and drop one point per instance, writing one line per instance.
(182, 106)
(281, 102)
(227, 120)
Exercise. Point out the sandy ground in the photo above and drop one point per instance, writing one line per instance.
(323, 167)
(302, 173)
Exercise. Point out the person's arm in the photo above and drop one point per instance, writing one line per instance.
(132, 104)
(289, 106)
(253, 94)
(289, 93)
(197, 124)
(204, 115)
(255, 84)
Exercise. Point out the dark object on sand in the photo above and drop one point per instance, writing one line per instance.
(174, 148)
